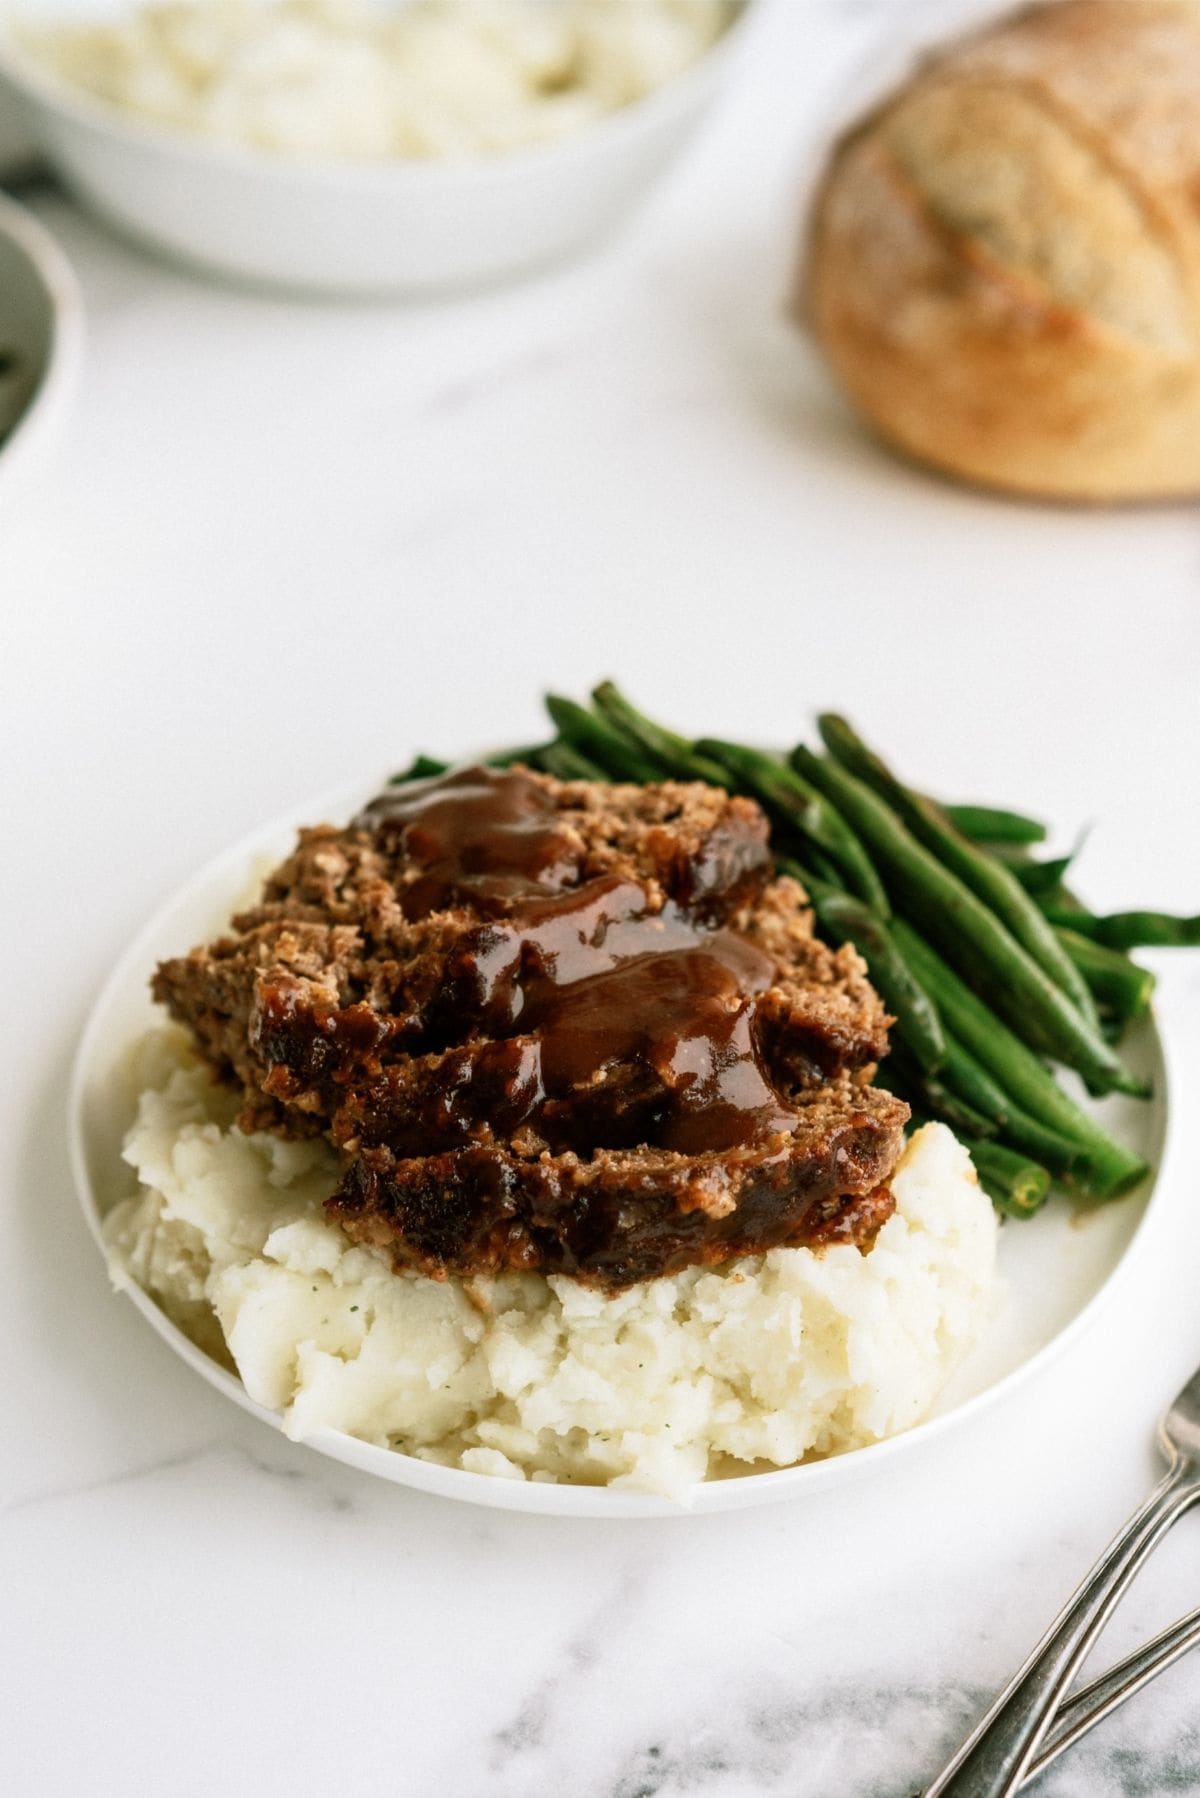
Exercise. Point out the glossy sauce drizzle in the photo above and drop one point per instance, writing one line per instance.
(479, 834)
(604, 976)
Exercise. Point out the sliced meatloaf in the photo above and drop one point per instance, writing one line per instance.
(547, 1003)
(308, 1016)
(356, 939)
(622, 1215)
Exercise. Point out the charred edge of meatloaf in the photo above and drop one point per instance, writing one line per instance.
(622, 1217)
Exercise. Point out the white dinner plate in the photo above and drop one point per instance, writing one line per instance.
(1057, 1268)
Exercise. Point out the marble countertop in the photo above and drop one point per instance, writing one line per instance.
(281, 545)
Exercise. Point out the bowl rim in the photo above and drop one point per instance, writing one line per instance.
(40, 87)
(60, 369)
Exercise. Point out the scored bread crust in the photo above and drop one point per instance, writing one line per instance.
(1003, 260)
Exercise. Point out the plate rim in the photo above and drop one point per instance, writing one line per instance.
(549, 1498)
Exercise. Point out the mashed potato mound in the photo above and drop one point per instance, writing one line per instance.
(352, 78)
(779, 1356)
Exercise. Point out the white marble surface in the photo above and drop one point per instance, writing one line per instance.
(282, 544)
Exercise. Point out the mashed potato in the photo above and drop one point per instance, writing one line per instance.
(778, 1356)
(348, 78)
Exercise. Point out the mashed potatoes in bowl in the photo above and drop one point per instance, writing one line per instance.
(760, 1364)
(331, 146)
(349, 78)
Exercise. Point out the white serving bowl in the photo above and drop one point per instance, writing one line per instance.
(349, 227)
(41, 329)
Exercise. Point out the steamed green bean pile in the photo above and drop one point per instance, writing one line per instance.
(993, 971)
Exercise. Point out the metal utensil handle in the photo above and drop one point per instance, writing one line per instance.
(1092, 1703)
(996, 1757)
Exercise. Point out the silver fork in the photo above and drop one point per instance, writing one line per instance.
(1094, 1702)
(1000, 1752)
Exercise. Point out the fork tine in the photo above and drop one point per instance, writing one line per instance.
(1100, 1697)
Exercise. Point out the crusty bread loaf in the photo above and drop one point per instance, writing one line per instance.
(1003, 260)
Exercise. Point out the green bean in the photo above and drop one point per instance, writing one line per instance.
(595, 738)
(527, 753)
(848, 920)
(1040, 879)
(422, 767)
(973, 1086)
(924, 1092)
(987, 877)
(566, 763)
(1130, 929)
(1018, 986)
(817, 864)
(1116, 982)
(1105, 1168)
(1016, 1186)
(1029, 1136)
(986, 824)
(1013, 1183)
(972, 1082)
(789, 796)
(962, 1117)
(675, 753)
(968, 1077)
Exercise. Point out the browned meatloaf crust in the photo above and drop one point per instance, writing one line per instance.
(622, 1215)
(449, 1025)
(332, 945)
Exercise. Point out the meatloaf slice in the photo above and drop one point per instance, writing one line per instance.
(621, 1216)
(818, 1018)
(695, 844)
(560, 1025)
(279, 1009)
(332, 964)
